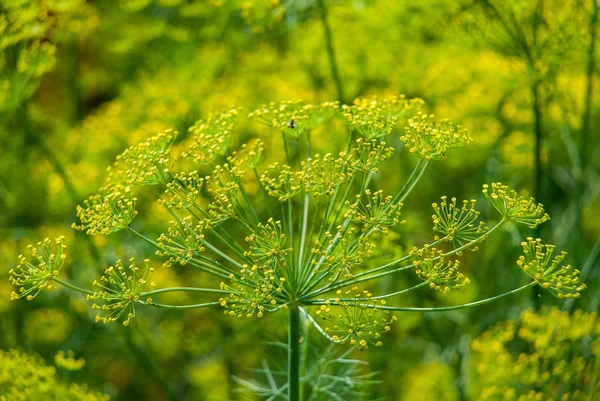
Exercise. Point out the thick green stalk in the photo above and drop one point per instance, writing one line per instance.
(294, 354)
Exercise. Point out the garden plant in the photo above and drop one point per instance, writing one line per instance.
(292, 231)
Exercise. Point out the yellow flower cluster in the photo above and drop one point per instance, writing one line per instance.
(320, 175)
(546, 355)
(377, 214)
(182, 241)
(348, 255)
(375, 118)
(184, 191)
(430, 139)
(146, 163)
(355, 320)
(431, 266)
(514, 207)
(562, 281)
(212, 136)
(33, 277)
(120, 288)
(457, 223)
(368, 155)
(294, 117)
(25, 378)
(112, 210)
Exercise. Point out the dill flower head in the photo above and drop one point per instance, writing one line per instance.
(320, 174)
(562, 281)
(549, 354)
(146, 163)
(442, 275)
(269, 244)
(458, 223)
(281, 181)
(514, 207)
(248, 156)
(212, 137)
(183, 191)
(253, 292)
(375, 214)
(354, 318)
(326, 233)
(430, 139)
(112, 210)
(31, 277)
(26, 377)
(182, 240)
(294, 117)
(345, 258)
(376, 117)
(368, 155)
(119, 289)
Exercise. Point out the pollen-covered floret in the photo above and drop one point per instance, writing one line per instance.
(355, 318)
(111, 210)
(212, 137)
(430, 139)
(248, 156)
(376, 117)
(253, 292)
(146, 163)
(377, 214)
(458, 223)
(321, 175)
(342, 259)
(31, 277)
(182, 241)
(368, 155)
(431, 266)
(223, 185)
(514, 207)
(183, 191)
(281, 181)
(562, 281)
(268, 244)
(294, 117)
(119, 289)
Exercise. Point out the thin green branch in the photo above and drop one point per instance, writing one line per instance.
(333, 66)
(195, 306)
(447, 308)
(182, 289)
(73, 287)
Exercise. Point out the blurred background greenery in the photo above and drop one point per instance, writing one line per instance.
(81, 80)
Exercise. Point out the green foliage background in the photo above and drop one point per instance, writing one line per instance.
(82, 80)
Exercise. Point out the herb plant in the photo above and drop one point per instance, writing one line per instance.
(289, 224)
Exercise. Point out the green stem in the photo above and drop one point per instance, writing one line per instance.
(73, 287)
(323, 301)
(537, 115)
(195, 306)
(370, 276)
(445, 308)
(294, 354)
(182, 289)
(333, 67)
(72, 78)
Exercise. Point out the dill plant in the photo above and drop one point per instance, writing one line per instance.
(286, 228)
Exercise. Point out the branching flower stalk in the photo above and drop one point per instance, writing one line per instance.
(312, 256)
